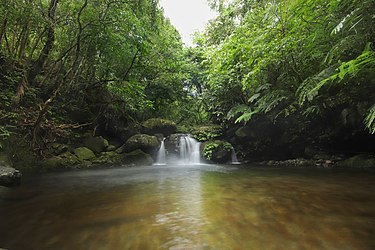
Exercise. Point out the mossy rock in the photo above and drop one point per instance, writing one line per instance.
(138, 157)
(65, 160)
(159, 126)
(206, 133)
(146, 143)
(96, 144)
(217, 151)
(84, 154)
(111, 148)
(359, 161)
(109, 158)
(58, 148)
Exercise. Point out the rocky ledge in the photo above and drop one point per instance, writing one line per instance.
(9, 176)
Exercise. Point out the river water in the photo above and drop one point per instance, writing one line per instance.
(190, 207)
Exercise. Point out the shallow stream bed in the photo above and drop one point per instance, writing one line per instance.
(190, 207)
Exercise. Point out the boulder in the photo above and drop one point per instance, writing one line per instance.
(58, 148)
(65, 160)
(109, 158)
(244, 132)
(84, 154)
(146, 143)
(96, 144)
(9, 177)
(359, 161)
(217, 151)
(138, 157)
(159, 126)
(111, 148)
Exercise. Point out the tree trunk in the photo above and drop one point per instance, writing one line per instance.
(3, 30)
(37, 66)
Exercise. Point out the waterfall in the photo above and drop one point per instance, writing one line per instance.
(189, 150)
(161, 156)
(234, 157)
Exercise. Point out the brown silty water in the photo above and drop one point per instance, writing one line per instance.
(190, 207)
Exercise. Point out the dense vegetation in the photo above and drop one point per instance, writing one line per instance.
(67, 64)
(302, 65)
(293, 72)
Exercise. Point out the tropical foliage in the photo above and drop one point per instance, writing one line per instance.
(291, 57)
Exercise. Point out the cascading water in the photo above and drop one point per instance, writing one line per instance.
(234, 157)
(161, 156)
(189, 150)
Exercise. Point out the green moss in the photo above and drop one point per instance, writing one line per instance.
(206, 133)
(216, 148)
(157, 125)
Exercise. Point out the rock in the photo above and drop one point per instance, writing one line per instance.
(359, 161)
(52, 163)
(138, 157)
(109, 158)
(299, 162)
(65, 160)
(146, 143)
(159, 126)
(111, 148)
(217, 151)
(96, 144)
(172, 143)
(84, 154)
(244, 132)
(58, 148)
(9, 177)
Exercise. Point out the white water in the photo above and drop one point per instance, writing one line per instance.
(234, 157)
(161, 156)
(189, 150)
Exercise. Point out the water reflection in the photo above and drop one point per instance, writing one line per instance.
(190, 207)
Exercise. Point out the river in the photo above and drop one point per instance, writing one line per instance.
(190, 207)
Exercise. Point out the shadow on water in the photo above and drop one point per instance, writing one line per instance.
(190, 207)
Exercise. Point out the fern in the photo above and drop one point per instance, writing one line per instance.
(311, 86)
(370, 120)
(245, 117)
(242, 108)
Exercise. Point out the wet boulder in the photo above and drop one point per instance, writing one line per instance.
(9, 176)
(146, 143)
(159, 126)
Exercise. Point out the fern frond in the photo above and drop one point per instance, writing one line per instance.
(309, 89)
(245, 117)
(242, 108)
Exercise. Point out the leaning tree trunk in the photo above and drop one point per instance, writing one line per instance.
(37, 66)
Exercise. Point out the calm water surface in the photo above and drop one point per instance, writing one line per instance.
(190, 207)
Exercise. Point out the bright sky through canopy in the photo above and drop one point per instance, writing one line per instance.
(188, 16)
